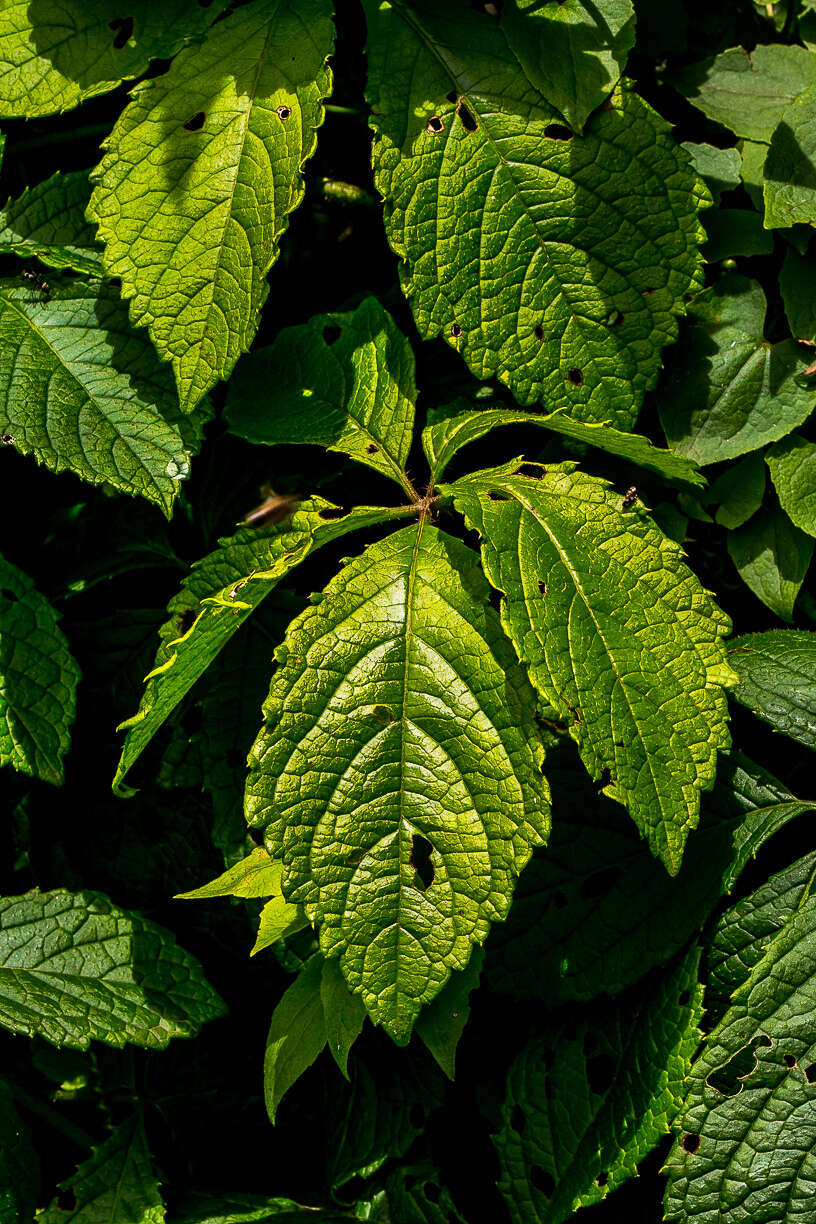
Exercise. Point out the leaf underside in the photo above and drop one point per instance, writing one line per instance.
(396, 774)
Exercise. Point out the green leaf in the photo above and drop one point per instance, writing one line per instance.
(772, 557)
(618, 636)
(776, 680)
(719, 167)
(796, 284)
(789, 172)
(115, 1184)
(735, 231)
(75, 968)
(297, 1035)
(278, 920)
(207, 610)
(576, 1126)
(344, 381)
(81, 392)
(199, 176)
(745, 1138)
(554, 261)
(38, 680)
(19, 1167)
(257, 875)
(48, 221)
(396, 773)
(594, 911)
(344, 1014)
(572, 52)
(727, 390)
(793, 472)
(455, 425)
(442, 1022)
(747, 91)
(252, 1209)
(738, 493)
(55, 53)
(416, 1196)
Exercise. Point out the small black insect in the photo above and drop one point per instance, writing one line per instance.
(630, 497)
(37, 281)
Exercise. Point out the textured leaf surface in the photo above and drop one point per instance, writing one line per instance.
(257, 875)
(447, 434)
(577, 1125)
(745, 1140)
(554, 261)
(221, 591)
(789, 187)
(54, 53)
(396, 773)
(719, 167)
(727, 390)
(777, 680)
(594, 911)
(278, 920)
(82, 392)
(116, 1185)
(38, 680)
(747, 91)
(200, 174)
(618, 635)
(573, 52)
(793, 472)
(416, 1196)
(443, 1021)
(772, 557)
(345, 381)
(74, 968)
(48, 221)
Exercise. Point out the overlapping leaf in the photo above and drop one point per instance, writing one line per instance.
(48, 221)
(218, 595)
(38, 680)
(199, 176)
(746, 1136)
(396, 774)
(344, 381)
(594, 911)
(727, 390)
(777, 680)
(116, 1183)
(82, 392)
(554, 261)
(55, 53)
(74, 968)
(618, 636)
(793, 471)
(772, 557)
(584, 1107)
(789, 187)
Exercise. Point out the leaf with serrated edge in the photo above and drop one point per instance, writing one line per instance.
(82, 392)
(344, 381)
(618, 635)
(554, 261)
(48, 221)
(398, 725)
(576, 1126)
(772, 558)
(220, 592)
(727, 390)
(38, 680)
(793, 471)
(199, 176)
(777, 680)
(447, 434)
(55, 53)
(74, 968)
(115, 1184)
(745, 1140)
(257, 875)
(594, 911)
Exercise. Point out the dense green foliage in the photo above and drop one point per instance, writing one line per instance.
(406, 434)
